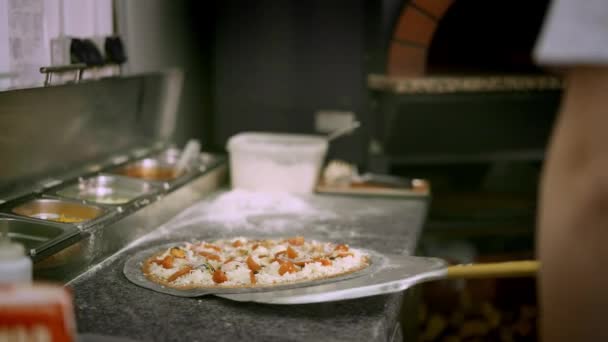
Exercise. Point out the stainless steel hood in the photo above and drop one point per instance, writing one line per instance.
(54, 133)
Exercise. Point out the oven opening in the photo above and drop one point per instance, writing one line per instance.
(465, 37)
(486, 37)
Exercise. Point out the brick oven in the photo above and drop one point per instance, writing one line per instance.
(459, 100)
(459, 85)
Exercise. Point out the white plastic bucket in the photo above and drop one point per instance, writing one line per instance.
(276, 162)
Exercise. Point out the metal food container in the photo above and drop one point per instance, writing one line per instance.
(37, 238)
(58, 210)
(43, 184)
(160, 168)
(107, 189)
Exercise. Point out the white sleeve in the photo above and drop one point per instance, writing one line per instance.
(574, 32)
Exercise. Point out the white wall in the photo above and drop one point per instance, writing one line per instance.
(5, 62)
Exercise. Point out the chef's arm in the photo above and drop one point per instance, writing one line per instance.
(573, 221)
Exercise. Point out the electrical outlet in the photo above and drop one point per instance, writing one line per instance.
(330, 120)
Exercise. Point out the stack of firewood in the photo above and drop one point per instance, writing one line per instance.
(483, 310)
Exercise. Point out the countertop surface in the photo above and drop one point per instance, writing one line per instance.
(107, 303)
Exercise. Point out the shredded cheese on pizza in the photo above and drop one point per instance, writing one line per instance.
(242, 262)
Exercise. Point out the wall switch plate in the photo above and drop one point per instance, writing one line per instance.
(330, 120)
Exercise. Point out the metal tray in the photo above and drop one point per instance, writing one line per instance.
(57, 210)
(133, 271)
(107, 189)
(37, 238)
(160, 168)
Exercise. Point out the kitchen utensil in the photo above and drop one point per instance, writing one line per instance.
(190, 152)
(406, 272)
(115, 50)
(343, 131)
(386, 274)
(383, 180)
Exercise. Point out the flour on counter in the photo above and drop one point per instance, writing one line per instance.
(248, 209)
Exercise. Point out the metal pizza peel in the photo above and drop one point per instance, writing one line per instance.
(402, 273)
(387, 273)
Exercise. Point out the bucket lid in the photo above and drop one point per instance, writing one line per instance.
(277, 142)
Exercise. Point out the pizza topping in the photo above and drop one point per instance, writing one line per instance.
(323, 261)
(241, 262)
(166, 262)
(318, 249)
(210, 256)
(232, 265)
(183, 271)
(210, 246)
(296, 241)
(342, 248)
(287, 267)
(302, 263)
(261, 250)
(219, 277)
(208, 267)
(291, 253)
(178, 252)
(253, 266)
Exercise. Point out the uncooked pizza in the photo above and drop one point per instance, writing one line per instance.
(241, 262)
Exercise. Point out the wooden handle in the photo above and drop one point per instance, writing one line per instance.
(495, 270)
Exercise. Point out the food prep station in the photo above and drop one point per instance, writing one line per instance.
(82, 204)
(391, 225)
(58, 226)
(100, 172)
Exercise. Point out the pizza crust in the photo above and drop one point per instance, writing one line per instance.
(317, 265)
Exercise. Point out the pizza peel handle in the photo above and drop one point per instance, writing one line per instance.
(403, 272)
(494, 270)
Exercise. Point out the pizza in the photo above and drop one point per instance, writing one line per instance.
(242, 262)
